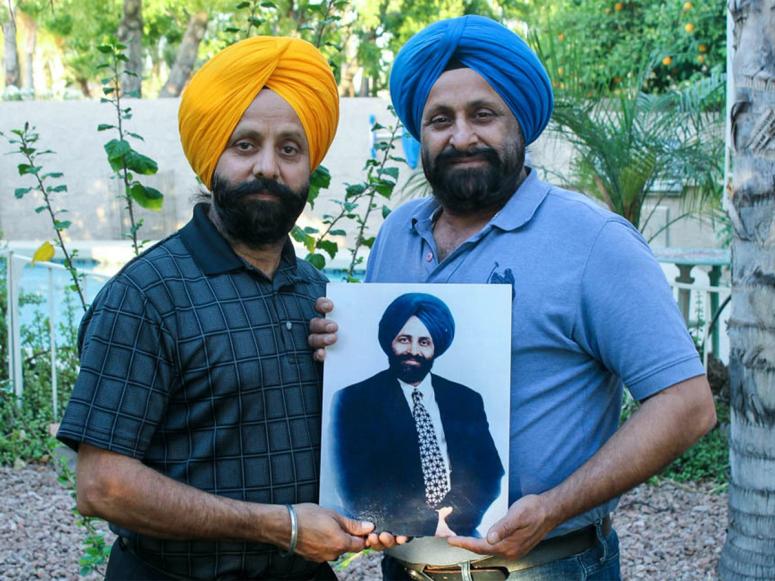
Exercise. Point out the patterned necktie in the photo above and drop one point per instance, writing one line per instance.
(434, 469)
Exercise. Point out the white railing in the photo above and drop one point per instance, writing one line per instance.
(704, 308)
(15, 264)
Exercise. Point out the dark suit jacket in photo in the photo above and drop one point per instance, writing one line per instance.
(377, 456)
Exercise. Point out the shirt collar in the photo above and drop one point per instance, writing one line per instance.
(517, 212)
(214, 255)
(425, 387)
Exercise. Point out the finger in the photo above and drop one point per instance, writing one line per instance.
(387, 540)
(321, 326)
(319, 355)
(502, 529)
(480, 546)
(507, 525)
(357, 544)
(358, 528)
(320, 341)
(401, 539)
(372, 542)
(324, 305)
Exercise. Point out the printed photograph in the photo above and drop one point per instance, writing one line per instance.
(416, 403)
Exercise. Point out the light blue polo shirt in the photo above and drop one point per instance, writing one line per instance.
(592, 310)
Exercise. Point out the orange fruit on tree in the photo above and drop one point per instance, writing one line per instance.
(667, 61)
(689, 27)
(688, 6)
(619, 6)
(703, 48)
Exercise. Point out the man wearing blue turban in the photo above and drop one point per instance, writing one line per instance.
(413, 450)
(592, 310)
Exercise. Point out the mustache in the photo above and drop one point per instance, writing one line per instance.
(255, 186)
(449, 156)
(409, 357)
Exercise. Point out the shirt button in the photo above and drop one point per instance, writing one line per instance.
(429, 257)
(288, 325)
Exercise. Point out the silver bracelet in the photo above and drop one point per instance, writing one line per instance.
(294, 531)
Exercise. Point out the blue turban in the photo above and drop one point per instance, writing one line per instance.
(501, 57)
(433, 313)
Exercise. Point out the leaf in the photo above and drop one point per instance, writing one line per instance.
(148, 198)
(338, 233)
(298, 235)
(242, 5)
(116, 150)
(140, 163)
(384, 189)
(135, 135)
(19, 192)
(329, 246)
(385, 212)
(105, 49)
(316, 260)
(354, 190)
(44, 253)
(368, 242)
(391, 171)
(267, 4)
(59, 188)
(53, 174)
(25, 169)
(105, 127)
(40, 209)
(319, 180)
(62, 224)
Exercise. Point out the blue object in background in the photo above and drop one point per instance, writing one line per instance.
(411, 149)
(372, 137)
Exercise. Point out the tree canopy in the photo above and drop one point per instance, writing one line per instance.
(604, 42)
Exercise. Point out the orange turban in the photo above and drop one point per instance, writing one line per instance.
(221, 91)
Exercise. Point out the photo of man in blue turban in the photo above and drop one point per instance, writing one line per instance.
(430, 466)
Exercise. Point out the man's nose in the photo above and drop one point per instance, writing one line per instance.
(414, 348)
(463, 136)
(265, 164)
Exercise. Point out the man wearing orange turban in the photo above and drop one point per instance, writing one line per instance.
(196, 413)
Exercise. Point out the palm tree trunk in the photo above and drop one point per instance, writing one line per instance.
(130, 33)
(12, 73)
(186, 57)
(749, 552)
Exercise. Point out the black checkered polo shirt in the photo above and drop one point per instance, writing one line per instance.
(195, 363)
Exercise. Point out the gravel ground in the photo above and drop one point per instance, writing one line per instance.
(669, 531)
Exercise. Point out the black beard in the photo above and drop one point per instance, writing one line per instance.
(244, 218)
(479, 188)
(410, 373)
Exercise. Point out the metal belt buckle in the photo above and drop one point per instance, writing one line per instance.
(463, 572)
